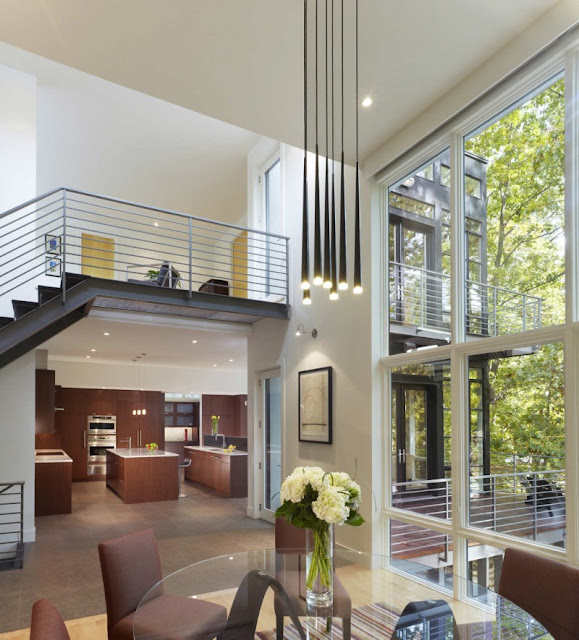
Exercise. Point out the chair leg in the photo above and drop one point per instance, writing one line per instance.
(347, 628)
(279, 627)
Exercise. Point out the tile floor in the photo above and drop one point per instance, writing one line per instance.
(63, 563)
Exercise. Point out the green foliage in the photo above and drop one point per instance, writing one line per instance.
(525, 253)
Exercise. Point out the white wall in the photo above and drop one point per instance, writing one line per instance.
(17, 170)
(17, 382)
(344, 342)
(153, 378)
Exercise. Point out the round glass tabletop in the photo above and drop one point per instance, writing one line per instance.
(261, 594)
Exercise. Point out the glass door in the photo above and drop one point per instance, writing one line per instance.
(271, 432)
(409, 435)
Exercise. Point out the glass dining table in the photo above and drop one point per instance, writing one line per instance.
(262, 593)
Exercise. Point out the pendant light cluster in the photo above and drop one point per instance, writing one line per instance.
(137, 410)
(329, 266)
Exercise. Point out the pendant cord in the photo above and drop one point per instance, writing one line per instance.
(305, 77)
(357, 144)
(342, 61)
(316, 73)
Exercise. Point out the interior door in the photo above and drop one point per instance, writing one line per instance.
(270, 420)
(98, 256)
(409, 434)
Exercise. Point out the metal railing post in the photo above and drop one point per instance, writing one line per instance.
(539, 319)
(63, 271)
(494, 501)
(524, 312)
(190, 262)
(535, 511)
(495, 320)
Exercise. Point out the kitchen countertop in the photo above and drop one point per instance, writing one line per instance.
(142, 453)
(51, 455)
(222, 452)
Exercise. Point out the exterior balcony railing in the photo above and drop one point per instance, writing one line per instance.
(421, 298)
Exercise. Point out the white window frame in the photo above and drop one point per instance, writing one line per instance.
(562, 56)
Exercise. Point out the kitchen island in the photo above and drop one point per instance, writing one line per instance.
(52, 482)
(216, 468)
(140, 475)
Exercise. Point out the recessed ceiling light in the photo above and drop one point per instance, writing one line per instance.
(107, 333)
(93, 350)
(194, 341)
(214, 365)
(87, 356)
(230, 359)
(156, 224)
(367, 101)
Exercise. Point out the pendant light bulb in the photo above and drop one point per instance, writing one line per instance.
(334, 295)
(327, 284)
(305, 285)
(138, 412)
(318, 280)
(144, 412)
(134, 412)
(342, 286)
(307, 299)
(358, 289)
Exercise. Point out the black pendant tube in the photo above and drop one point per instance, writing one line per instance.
(343, 273)
(357, 256)
(318, 279)
(327, 254)
(305, 284)
(333, 257)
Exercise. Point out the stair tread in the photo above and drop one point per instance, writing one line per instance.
(22, 307)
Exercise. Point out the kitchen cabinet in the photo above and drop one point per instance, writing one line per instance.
(141, 429)
(45, 401)
(232, 412)
(74, 400)
(52, 483)
(101, 402)
(226, 473)
(74, 443)
(139, 476)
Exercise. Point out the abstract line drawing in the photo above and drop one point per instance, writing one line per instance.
(315, 405)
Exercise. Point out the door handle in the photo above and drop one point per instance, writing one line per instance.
(84, 439)
(404, 456)
(400, 456)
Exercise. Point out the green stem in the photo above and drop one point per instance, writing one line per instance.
(320, 561)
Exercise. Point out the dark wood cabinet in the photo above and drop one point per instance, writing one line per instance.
(52, 488)
(225, 473)
(101, 402)
(74, 400)
(74, 443)
(45, 401)
(141, 429)
(232, 412)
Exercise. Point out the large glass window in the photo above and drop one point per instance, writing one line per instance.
(514, 193)
(517, 443)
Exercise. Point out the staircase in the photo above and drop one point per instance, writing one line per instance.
(35, 322)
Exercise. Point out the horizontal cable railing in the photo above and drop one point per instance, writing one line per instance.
(11, 525)
(428, 497)
(77, 232)
(521, 504)
(421, 297)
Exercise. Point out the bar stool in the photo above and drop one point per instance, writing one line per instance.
(183, 465)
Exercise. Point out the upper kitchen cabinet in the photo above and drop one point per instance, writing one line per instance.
(45, 401)
(232, 412)
(101, 402)
(74, 400)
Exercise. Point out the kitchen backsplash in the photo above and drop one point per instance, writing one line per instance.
(177, 434)
(217, 441)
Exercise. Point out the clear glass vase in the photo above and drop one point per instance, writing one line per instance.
(320, 566)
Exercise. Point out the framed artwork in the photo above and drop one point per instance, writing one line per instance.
(315, 405)
(53, 266)
(52, 244)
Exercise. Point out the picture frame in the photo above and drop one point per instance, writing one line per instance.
(315, 405)
(53, 266)
(52, 244)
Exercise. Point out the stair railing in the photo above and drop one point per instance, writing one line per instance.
(11, 525)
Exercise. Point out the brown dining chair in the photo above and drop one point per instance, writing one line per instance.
(47, 623)
(291, 541)
(546, 589)
(130, 567)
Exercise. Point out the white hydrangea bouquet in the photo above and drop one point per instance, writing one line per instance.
(314, 499)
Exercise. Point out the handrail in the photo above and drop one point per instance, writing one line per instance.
(29, 202)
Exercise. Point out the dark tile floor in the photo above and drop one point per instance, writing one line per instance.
(63, 563)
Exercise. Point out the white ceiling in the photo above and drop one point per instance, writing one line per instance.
(240, 61)
(166, 342)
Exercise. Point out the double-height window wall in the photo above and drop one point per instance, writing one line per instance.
(481, 335)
